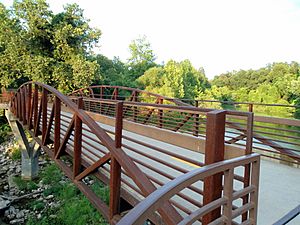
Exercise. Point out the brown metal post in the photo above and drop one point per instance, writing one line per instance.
(196, 121)
(160, 114)
(214, 152)
(36, 102)
(24, 109)
(247, 166)
(29, 106)
(115, 168)
(101, 97)
(135, 111)
(250, 107)
(44, 113)
(116, 94)
(57, 112)
(19, 106)
(77, 141)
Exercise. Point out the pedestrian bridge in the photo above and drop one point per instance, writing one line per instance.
(171, 162)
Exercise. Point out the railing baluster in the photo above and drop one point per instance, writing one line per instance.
(116, 94)
(101, 97)
(135, 109)
(24, 108)
(249, 143)
(57, 121)
(36, 103)
(77, 140)
(115, 168)
(160, 113)
(196, 121)
(29, 106)
(254, 196)
(19, 105)
(44, 113)
(250, 107)
(228, 191)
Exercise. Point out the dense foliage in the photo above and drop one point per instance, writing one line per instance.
(175, 79)
(277, 83)
(36, 44)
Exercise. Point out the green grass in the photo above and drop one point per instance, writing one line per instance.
(74, 209)
(15, 154)
(24, 185)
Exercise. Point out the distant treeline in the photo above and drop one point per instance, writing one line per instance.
(57, 49)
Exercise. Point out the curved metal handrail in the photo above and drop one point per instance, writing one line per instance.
(140, 213)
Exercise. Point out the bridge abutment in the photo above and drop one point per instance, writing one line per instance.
(30, 152)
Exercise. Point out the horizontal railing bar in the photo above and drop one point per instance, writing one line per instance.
(241, 210)
(196, 215)
(240, 193)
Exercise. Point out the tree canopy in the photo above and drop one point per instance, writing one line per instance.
(175, 79)
(36, 44)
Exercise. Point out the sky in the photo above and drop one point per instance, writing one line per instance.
(217, 35)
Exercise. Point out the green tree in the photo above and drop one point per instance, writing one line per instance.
(46, 47)
(175, 79)
(142, 57)
(112, 72)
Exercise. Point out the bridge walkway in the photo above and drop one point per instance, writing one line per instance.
(137, 147)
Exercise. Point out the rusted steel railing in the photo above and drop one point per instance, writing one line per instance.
(59, 134)
(162, 120)
(136, 147)
(275, 138)
(139, 214)
(125, 94)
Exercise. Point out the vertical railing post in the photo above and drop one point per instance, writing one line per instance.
(214, 152)
(77, 140)
(101, 97)
(44, 113)
(57, 109)
(115, 168)
(196, 121)
(228, 191)
(29, 106)
(249, 143)
(19, 105)
(36, 105)
(116, 93)
(135, 111)
(24, 108)
(160, 113)
(250, 107)
(254, 196)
